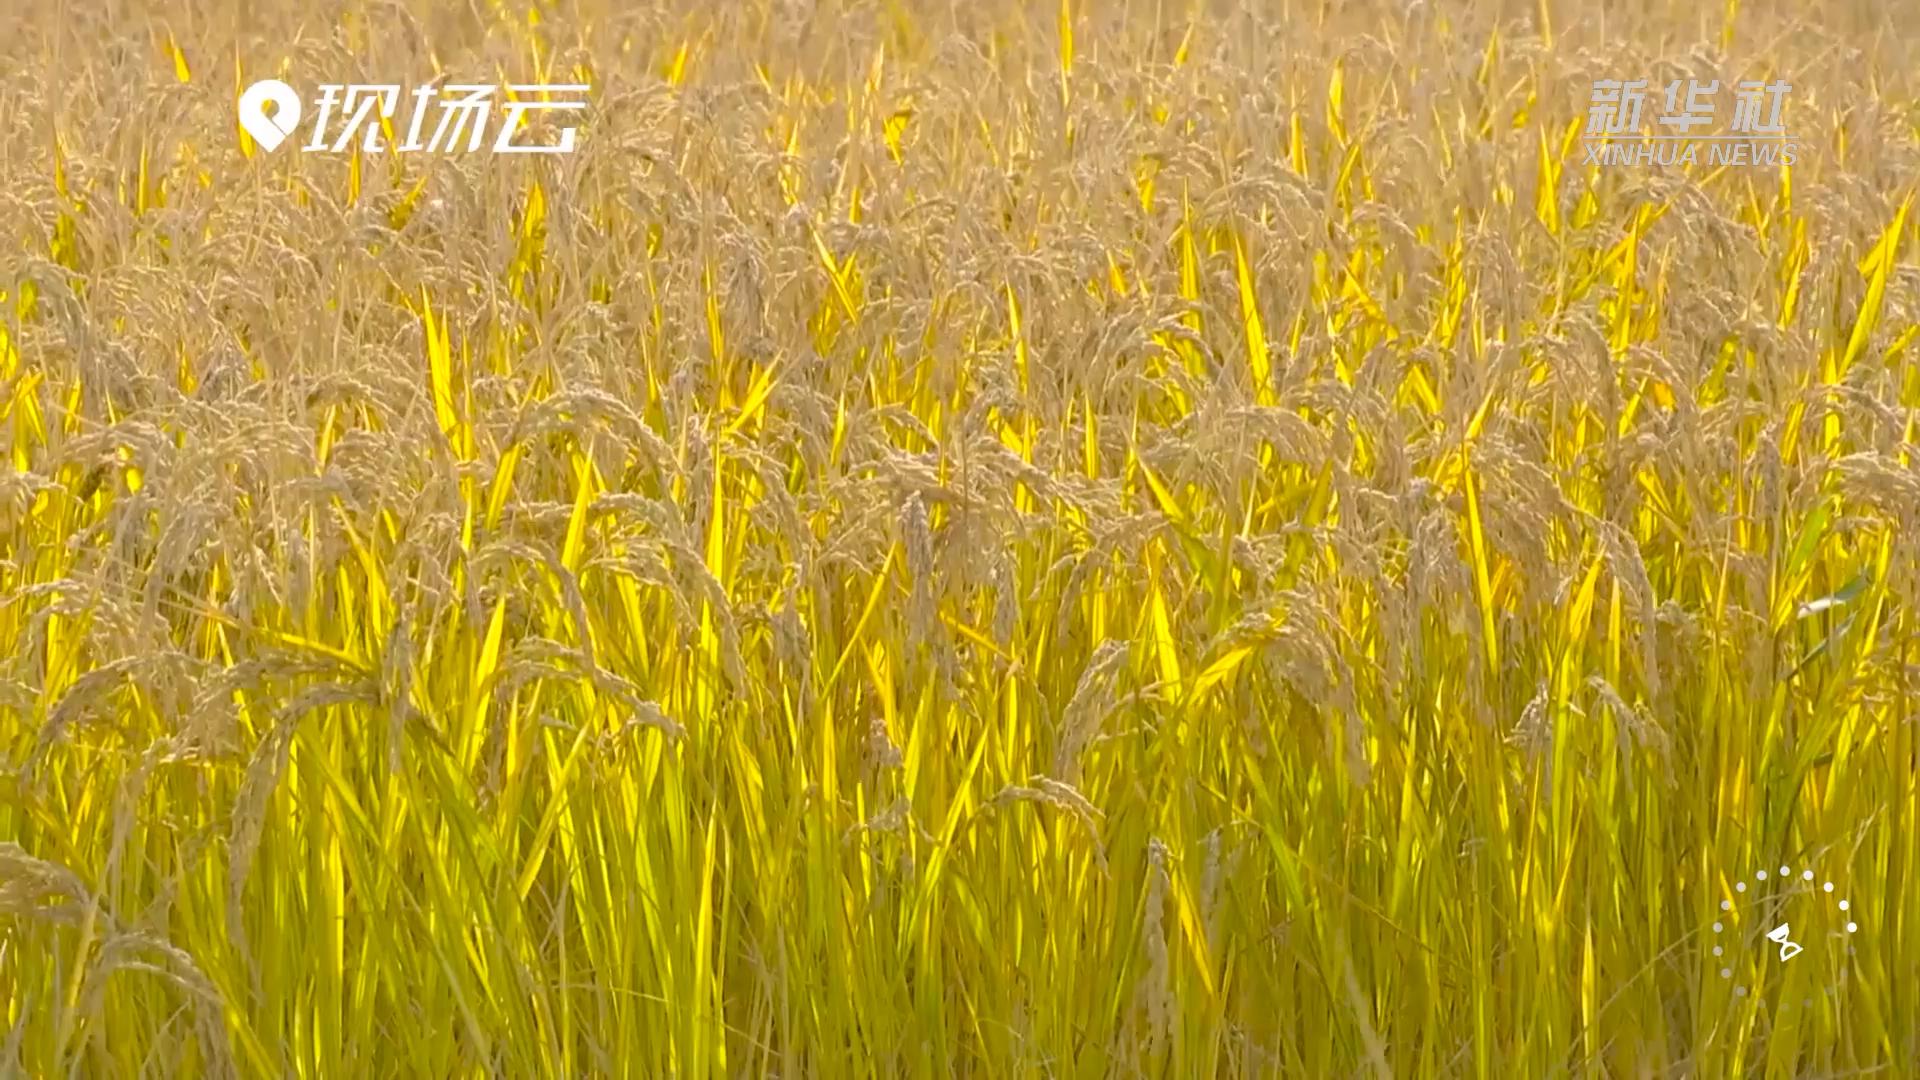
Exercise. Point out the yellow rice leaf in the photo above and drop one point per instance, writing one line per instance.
(1066, 42)
(484, 667)
(717, 525)
(440, 370)
(1168, 504)
(1218, 671)
(1193, 930)
(1257, 358)
(762, 386)
(180, 71)
(1482, 580)
(1019, 338)
(1166, 648)
(1878, 265)
(577, 521)
(1336, 102)
(1546, 197)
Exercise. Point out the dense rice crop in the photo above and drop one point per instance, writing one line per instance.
(1100, 539)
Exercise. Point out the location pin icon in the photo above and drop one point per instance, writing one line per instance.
(269, 131)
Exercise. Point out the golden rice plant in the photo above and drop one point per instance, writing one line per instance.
(1118, 538)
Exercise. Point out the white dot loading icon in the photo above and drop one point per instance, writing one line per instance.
(1826, 919)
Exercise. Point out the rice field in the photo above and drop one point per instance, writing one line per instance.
(1089, 539)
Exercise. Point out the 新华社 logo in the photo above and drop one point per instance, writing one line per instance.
(455, 117)
(1684, 135)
